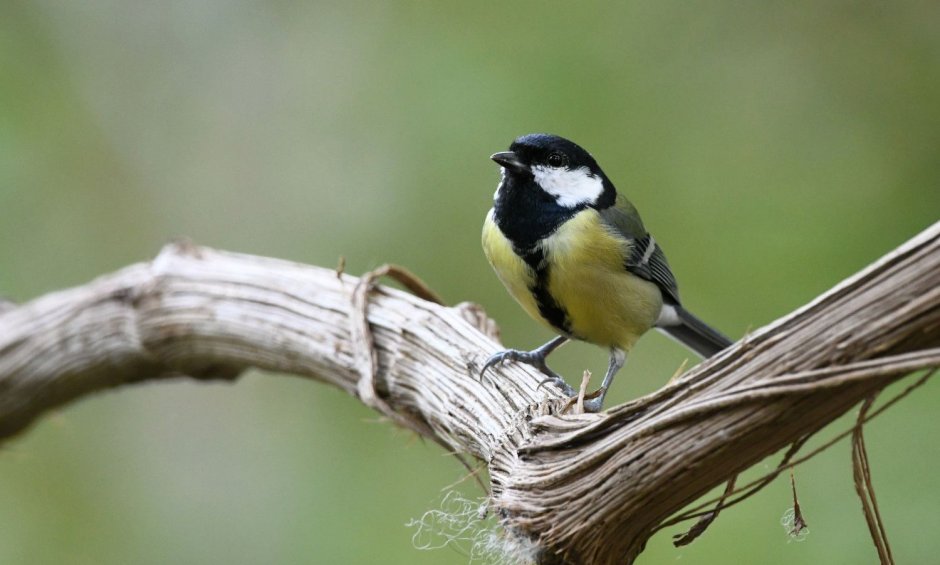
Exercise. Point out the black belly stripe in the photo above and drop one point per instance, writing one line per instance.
(549, 308)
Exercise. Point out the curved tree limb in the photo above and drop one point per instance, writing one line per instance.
(588, 488)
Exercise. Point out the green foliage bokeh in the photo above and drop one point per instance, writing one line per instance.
(773, 148)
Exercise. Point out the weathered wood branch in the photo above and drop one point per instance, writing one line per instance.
(589, 488)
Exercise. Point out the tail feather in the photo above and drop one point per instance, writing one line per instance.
(694, 333)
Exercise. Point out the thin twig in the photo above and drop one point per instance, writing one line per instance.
(861, 473)
(759, 483)
(705, 520)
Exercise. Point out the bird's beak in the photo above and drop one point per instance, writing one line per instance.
(509, 160)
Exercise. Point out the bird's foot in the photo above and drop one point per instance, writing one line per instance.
(535, 358)
(586, 402)
(594, 401)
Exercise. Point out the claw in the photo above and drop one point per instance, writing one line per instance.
(499, 358)
(556, 380)
(515, 355)
(535, 358)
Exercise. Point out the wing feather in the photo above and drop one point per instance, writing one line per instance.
(646, 259)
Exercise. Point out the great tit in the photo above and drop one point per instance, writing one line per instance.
(575, 254)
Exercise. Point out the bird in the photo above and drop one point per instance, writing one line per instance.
(575, 254)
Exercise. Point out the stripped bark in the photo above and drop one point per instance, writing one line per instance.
(590, 488)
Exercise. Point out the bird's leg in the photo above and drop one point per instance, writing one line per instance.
(535, 358)
(617, 358)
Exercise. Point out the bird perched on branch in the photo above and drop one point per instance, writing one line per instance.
(575, 254)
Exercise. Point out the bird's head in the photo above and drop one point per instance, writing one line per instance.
(557, 166)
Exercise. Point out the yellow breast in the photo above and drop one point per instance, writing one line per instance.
(604, 303)
(512, 271)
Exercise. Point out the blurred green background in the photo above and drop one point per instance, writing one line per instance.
(773, 148)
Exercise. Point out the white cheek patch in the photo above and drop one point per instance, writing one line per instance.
(569, 187)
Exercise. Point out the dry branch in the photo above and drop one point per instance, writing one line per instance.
(588, 488)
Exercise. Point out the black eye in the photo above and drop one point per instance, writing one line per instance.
(557, 160)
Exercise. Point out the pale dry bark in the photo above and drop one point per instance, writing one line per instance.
(589, 488)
